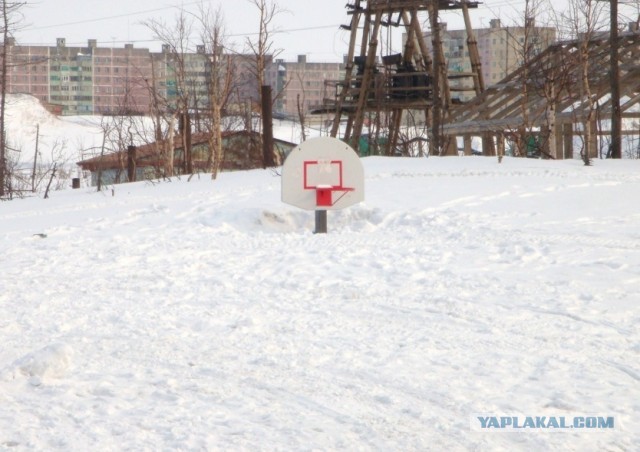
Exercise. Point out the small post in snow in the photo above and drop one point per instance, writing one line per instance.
(321, 222)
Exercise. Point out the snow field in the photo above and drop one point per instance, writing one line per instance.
(206, 316)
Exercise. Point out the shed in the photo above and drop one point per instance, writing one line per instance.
(242, 151)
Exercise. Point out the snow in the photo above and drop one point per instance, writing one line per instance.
(206, 315)
(65, 139)
(69, 139)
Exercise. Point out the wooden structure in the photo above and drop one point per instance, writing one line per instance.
(411, 80)
(563, 91)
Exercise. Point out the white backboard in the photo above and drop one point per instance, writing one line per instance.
(322, 174)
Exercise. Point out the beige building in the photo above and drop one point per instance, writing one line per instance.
(107, 80)
(502, 50)
(301, 83)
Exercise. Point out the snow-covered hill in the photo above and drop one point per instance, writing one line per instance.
(65, 139)
(74, 138)
(200, 315)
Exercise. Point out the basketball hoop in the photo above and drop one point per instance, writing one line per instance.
(322, 174)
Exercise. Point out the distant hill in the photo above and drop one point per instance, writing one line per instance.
(60, 138)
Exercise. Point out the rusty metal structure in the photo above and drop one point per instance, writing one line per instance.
(415, 79)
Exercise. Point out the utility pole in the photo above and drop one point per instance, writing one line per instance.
(435, 142)
(35, 160)
(268, 159)
(616, 120)
(4, 77)
(614, 80)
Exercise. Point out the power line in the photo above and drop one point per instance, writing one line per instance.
(154, 10)
(288, 30)
(235, 35)
(101, 19)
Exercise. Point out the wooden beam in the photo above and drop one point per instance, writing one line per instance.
(367, 78)
(355, 20)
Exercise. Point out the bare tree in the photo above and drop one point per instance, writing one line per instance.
(300, 104)
(56, 168)
(535, 76)
(527, 51)
(26, 178)
(162, 117)
(176, 42)
(107, 128)
(220, 80)
(9, 23)
(262, 49)
(550, 79)
(584, 17)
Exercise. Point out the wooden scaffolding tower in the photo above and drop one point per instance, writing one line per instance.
(415, 79)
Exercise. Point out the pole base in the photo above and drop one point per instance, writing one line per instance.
(321, 222)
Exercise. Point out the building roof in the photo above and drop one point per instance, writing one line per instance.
(151, 154)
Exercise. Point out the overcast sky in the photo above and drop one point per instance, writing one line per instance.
(309, 27)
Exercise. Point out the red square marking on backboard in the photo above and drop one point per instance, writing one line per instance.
(322, 172)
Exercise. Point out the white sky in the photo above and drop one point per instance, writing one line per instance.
(308, 27)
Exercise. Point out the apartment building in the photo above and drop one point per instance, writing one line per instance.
(107, 80)
(28, 70)
(301, 83)
(502, 50)
(81, 80)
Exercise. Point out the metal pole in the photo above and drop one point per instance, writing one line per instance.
(321, 222)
